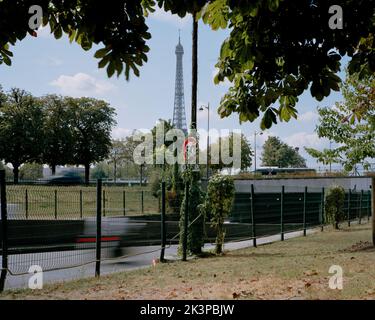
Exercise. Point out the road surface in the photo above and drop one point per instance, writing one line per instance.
(138, 257)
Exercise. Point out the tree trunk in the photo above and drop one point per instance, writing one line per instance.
(87, 173)
(193, 124)
(16, 172)
(373, 210)
(53, 169)
(115, 171)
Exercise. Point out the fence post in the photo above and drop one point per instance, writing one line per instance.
(304, 211)
(369, 206)
(103, 203)
(163, 229)
(55, 204)
(142, 204)
(349, 205)
(80, 204)
(26, 204)
(124, 202)
(253, 229)
(98, 226)
(186, 221)
(322, 211)
(360, 207)
(4, 229)
(282, 212)
(373, 209)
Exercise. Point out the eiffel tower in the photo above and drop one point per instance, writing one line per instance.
(179, 115)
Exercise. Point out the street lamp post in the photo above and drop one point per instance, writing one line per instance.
(208, 136)
(255, 149)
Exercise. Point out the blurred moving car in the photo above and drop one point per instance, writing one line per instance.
(116, 231)
(67, 178)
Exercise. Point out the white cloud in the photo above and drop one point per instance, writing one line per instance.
(82, 84)
(120, 133)
(308, 116)
(161, 15)
(304, 139)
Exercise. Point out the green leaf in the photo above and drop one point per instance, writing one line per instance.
(72, 36)
(111, 69)
(58, 32)
(216, 14)
(101, 52)
(102, 63)
(7, 60)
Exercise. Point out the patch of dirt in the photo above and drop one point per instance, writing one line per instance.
(360, 246)
(264, 287)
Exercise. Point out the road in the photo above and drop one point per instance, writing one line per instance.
(138, 257)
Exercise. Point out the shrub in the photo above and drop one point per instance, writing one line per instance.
(155, 183)
(218, 204)
(334, 206)
(31, 171)
(195, 239)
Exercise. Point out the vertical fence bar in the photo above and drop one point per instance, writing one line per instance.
(253, 228)
(4, 231)
(26, 204)
(80, 204)
(360, 207)
(304, 211)
(103, 203)
(55, 204)
(124, 202)
(98, 226)
(282, 212)
(373, 209)
(142, 203)
(349, 205)
(162, 223)
(322, 211)
(186, 221)
(369, 206)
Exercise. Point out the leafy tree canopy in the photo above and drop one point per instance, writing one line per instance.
(119, 26)
(355, 139)
(278, 49)
(21, 129)
(278, 154)
(92, 122)
(246, 152)
(58, 132)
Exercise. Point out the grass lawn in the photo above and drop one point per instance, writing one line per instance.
(69, 202)
(294, 269)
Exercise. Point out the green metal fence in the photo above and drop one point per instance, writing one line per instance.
(269, 213)
(76, 202)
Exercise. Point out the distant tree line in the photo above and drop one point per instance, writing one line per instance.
(279, 154)
(53, 130)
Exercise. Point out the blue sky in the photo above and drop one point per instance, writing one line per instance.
(43, 65)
